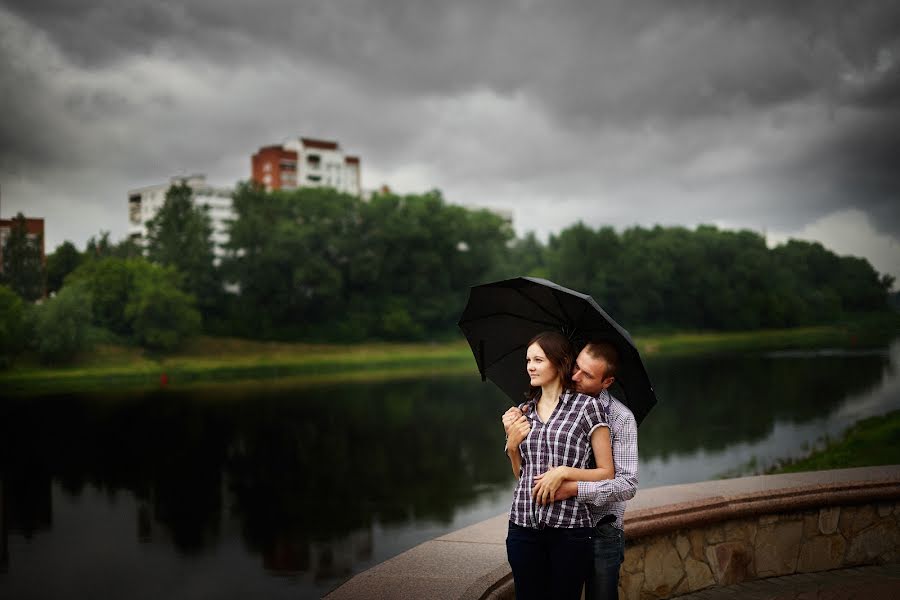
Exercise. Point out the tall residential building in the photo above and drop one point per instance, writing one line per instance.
(34, 229)
(306, 162)
(144, 203)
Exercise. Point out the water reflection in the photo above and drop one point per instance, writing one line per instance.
(281, 491)
(302, 475)
(730, 417)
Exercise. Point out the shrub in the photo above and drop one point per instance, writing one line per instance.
(63, 324)
(161, 315)
(139, 300)
(12, 326)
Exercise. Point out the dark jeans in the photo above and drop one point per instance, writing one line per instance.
(549, 563)
(609, 552)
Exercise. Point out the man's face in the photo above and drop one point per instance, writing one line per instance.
(590, 374)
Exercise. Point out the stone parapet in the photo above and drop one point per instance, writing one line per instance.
(683, 538)
(469, 564)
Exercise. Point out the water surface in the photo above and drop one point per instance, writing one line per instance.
(278, 491)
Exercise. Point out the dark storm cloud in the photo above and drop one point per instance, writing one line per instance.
(594, 61)
(767, 53)
(864, 163)
(516, 99)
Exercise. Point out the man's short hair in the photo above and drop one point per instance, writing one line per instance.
(606, 351)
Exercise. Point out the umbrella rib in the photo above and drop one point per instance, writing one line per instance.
(516, 349)
(568, 319)
(538, 304)
(508, 314)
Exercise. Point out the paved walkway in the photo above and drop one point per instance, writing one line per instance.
(862, 583)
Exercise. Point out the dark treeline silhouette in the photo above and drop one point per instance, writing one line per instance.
(319, 265)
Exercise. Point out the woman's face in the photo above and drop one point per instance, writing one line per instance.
(540, 370)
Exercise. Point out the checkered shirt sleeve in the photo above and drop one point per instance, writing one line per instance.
(596, 415)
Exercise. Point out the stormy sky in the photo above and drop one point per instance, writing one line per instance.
(782, 117)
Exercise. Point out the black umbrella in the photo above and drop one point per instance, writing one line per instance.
(501, 317)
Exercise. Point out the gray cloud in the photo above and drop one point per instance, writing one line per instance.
(762, 114)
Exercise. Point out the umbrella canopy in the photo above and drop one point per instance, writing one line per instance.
(501, 317)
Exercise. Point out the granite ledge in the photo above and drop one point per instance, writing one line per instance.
(470, 563)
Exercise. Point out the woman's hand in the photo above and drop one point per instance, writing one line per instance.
(510, 417)
(518, 431)
(546, 484)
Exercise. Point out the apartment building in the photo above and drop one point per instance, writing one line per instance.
(306, 162)
(34, 229)
(144, 203)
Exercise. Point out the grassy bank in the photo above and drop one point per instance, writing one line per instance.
(862, 333)
(208, 359)
(871, 442)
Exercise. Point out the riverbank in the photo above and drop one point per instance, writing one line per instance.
(208, 360)
(865, 332)
(870, 442)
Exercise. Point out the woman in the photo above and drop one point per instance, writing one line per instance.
(560, 432)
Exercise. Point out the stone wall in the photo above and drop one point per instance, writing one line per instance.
(769, 545)
(681, 538)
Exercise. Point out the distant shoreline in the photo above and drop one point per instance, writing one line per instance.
(211, 361)
(869, 442)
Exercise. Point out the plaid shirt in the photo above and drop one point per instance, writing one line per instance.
(565, 440)
(608, 497)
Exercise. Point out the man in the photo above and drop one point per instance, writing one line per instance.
(594, 372)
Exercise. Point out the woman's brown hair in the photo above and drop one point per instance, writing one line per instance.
(561, 354)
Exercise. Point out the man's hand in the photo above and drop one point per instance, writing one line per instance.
(564, 489)
(568, 489)
(518, 431)
(546, 484)
(509, 417)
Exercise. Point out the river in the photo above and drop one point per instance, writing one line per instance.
(271, 489)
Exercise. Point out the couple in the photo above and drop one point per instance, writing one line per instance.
(573, 448)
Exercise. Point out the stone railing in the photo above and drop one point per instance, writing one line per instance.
(682, 538)
(686, 538)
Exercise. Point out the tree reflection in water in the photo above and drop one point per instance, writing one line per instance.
(301, 469)
(712, 403)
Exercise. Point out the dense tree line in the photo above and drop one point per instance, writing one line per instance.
(319, 265)
(711, 279)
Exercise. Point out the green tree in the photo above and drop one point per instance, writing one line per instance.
(23, 265)
(161, 316)
(319, 264)
(526, 256)
(289, 254)
(180, 236)
(139, 300)
(666, 277)
(98, 247)
(13, 332)
(127, 248)
(63, 324)
(421, 256)
(110, 282)
(60, 263)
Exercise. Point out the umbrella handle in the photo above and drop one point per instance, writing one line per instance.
(481, 360)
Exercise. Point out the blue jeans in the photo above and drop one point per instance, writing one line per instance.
(609, 552)
(549, 563)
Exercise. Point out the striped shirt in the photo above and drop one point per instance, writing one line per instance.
(608, 497)
(565, 440)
